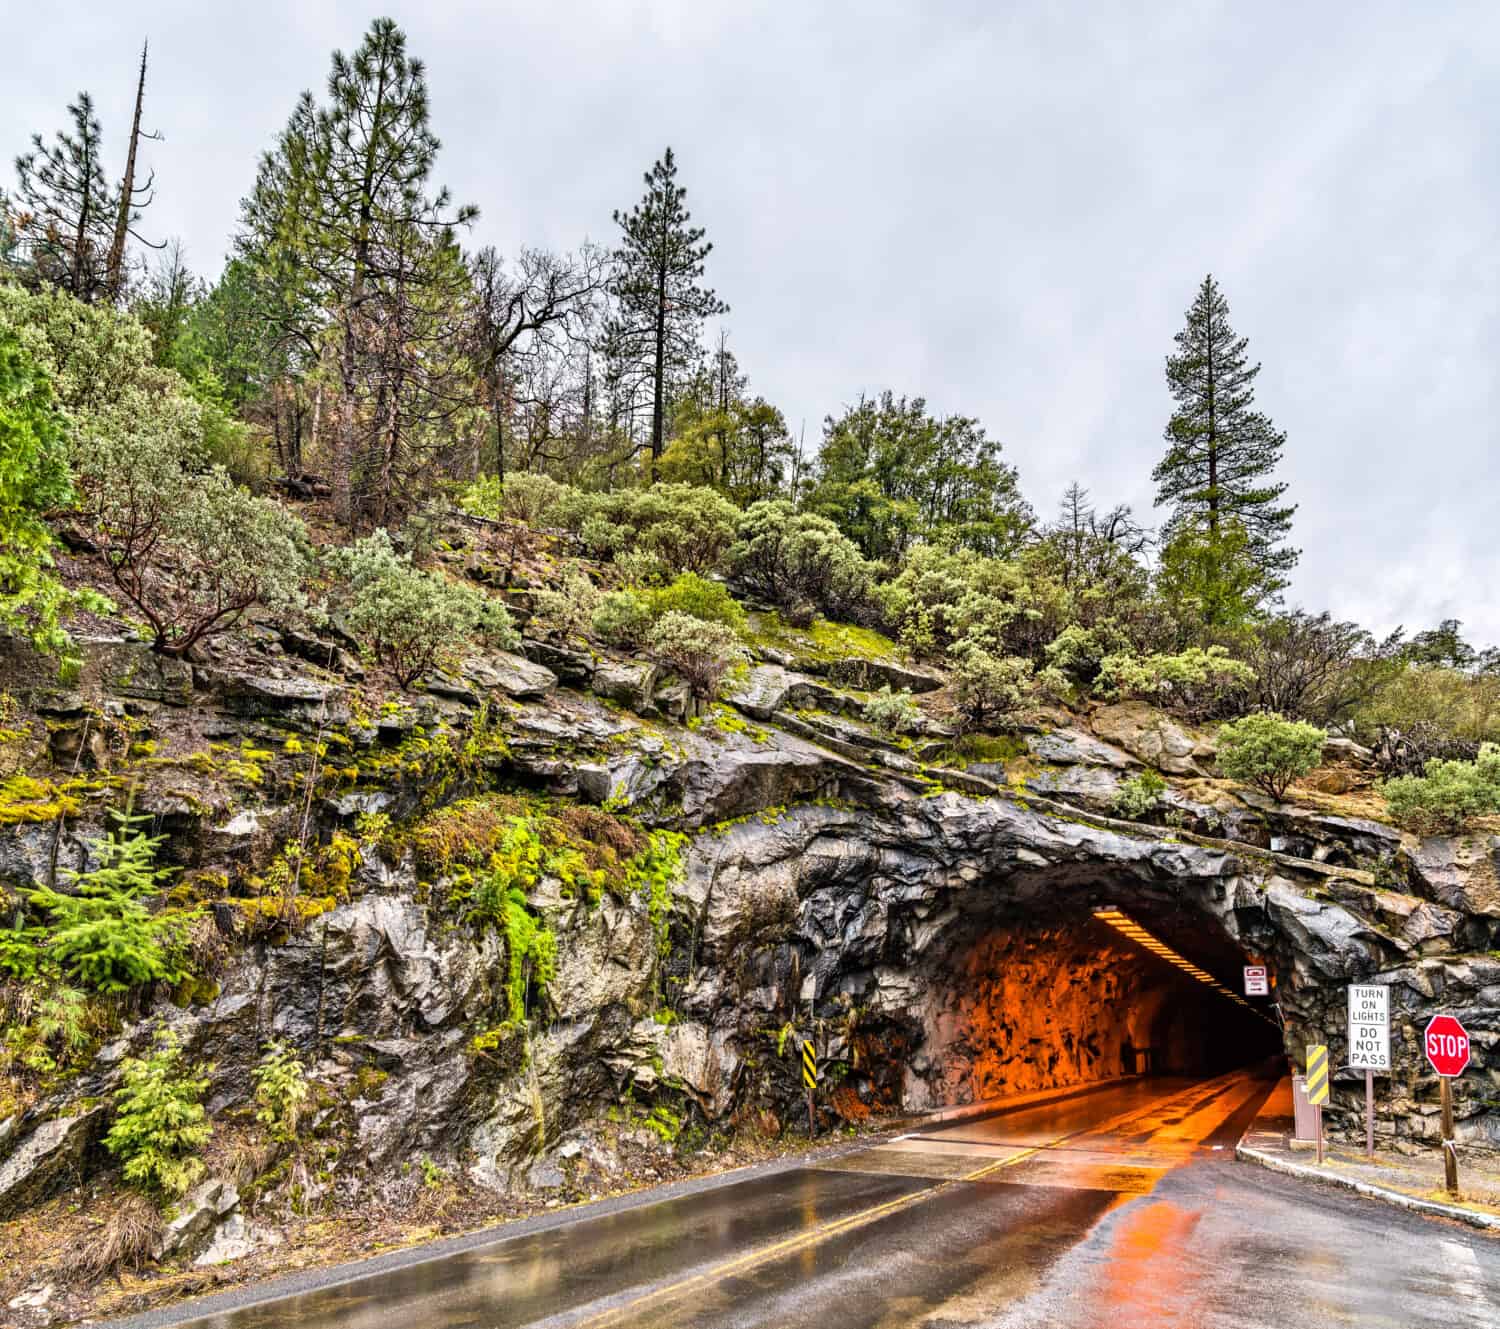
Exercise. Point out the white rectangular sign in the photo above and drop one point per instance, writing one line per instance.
(1256, 983)
(1370, 1026)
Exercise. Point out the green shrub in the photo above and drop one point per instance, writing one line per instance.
(1196, 683)
(1433, 700)
(792, 559)
(1269, 752)
(699, 652)
(101, 931)
(189, 549)
(50, 1026)
(688, 527)
(640, 567)
(1138, 795)
(524, 496)
(409, 617)
(280, 1091)
(988, 686)
(34, 478)
(691, 594)
(569, 606)
(159, 1122)
(941, 596)
(1078, 651)
(622, 618)
(893, 712)
(1449, 795)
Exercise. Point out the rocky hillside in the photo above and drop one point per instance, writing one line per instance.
(685, 890)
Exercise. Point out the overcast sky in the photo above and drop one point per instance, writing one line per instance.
(1004, 209)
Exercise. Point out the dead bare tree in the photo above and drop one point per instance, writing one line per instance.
(546, 301)
(131, 202)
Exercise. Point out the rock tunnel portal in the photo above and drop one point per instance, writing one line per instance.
(1091, 985)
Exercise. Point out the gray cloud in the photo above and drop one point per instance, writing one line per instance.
(1005, 211)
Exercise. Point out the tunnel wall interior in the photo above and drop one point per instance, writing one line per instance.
(1027, 1005)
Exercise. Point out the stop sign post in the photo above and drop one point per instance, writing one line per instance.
(1446, 1044)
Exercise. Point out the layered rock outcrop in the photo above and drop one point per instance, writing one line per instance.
(931, 926)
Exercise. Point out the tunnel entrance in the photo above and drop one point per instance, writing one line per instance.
(1086, 986)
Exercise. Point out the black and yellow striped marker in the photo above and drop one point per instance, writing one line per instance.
(809, 1065)
(1317, 1074)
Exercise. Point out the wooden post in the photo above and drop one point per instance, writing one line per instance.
(1369, 1113)
(1318, 1127)
(1450, 1156)
(812, 1117)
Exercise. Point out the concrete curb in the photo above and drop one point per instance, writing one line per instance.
(1430, 1208)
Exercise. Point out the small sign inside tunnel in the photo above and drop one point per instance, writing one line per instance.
(1257, 983)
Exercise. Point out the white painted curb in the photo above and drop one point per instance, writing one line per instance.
(1430, 1208)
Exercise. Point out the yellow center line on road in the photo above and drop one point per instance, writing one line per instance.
(803, 1240)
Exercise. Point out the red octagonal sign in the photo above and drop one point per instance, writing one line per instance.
(1446, 1044)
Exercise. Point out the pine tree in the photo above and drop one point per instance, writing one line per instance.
(342, 219)
(66, 210)
(1221, 452)
(102, 931)
(657, 283)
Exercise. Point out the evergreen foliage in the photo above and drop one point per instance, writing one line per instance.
(1448, 795)
(281, 1091)
(1216, 476)
(67, 208)
(657, 282)
(101, 931)
(410, 617)
(888, 474)
(1138, 795)
(346, 235)
(1269, 752)
(34, 478)
(159, 1122)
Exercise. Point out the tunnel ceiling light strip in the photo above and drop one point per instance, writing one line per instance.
(1128, 927)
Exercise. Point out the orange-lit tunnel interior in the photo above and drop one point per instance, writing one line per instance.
(1085, 991)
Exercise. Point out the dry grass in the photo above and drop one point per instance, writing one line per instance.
(125, 1243)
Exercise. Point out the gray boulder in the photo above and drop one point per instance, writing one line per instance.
(627, 682)
(196, 1215)
(514, 675)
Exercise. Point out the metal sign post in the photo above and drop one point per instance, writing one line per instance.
(1446, 1044)
(810, 1079)
(1370, 1043)
(1317, 1088)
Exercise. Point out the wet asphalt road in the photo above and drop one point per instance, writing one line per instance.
(1117, 1208)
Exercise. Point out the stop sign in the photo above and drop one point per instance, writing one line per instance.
(1446, 1044)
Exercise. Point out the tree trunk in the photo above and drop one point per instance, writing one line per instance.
(114, 271)
(342, 462)
(317, 420)
(658, 402)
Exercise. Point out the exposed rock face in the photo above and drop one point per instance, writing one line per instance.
(932, 929)
(1151, 737)
(47, 1159)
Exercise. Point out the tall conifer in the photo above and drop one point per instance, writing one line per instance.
(662, 303)
(1217, 473)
